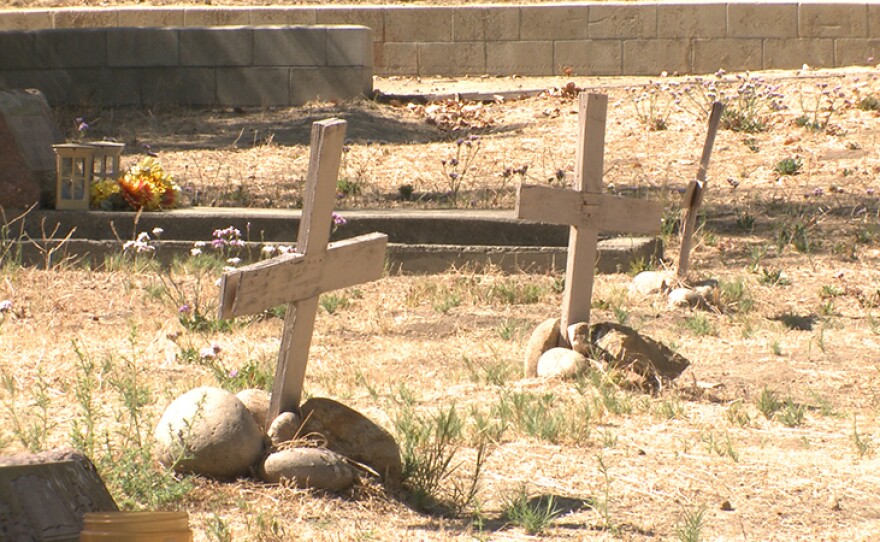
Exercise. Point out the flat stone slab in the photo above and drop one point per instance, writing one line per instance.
(43, 497)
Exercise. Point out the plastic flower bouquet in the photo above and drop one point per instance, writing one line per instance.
(145, 186)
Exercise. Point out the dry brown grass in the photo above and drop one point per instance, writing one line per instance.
(678, 451)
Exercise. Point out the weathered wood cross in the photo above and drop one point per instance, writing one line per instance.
(299, 278)
(586, 210)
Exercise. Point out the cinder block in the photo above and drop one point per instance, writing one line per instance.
(228, 46)
(691, 20)
(652, 57)
(149, 17)
(874, 20)
(145, 47)
(19, 50)
(85, 18)
(554, 22)
(216, 16)
(760, 20)
(729, 54)
(110, 87)
(329, 84)
(856, 52)
(269, 16)
(397, 59)
(589, 57)
(452, 59)
(794, 53)
(485, 23)
(417, 24)
(303, 15)
(196, 86)
(30, 19)
(519, 58)
(71, 48)
(623, 21)
(263, 87)
(372, 18)
(833, 20)
(349, 46)
(290, 46)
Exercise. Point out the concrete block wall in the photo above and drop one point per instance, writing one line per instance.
(588, 38)
(222, 65)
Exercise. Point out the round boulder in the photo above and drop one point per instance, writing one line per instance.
(208, 431)
(561, 363)
(545, 337)
(257, 403)
(284, 428)
(316, 468)
(650, 282)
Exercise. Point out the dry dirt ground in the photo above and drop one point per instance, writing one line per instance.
(796, 253)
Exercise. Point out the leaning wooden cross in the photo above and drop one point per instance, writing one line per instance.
(299, 278)
(693, 196)
(586, 210)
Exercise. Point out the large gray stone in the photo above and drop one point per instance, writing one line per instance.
(209, 431)
(545, 337)
(625, 349)
(315, 468)
(43, 497)
(27, 161)
(353, 435)
(257, 403)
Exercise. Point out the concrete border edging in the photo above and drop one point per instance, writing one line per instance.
(600, 38)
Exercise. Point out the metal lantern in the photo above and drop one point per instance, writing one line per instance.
(73, 174)
(106, 161)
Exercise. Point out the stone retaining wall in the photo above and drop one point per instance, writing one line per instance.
(595, 38)
(229, 65)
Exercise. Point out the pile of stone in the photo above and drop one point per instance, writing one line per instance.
(327, 445)
(643, 362)
(700, 295)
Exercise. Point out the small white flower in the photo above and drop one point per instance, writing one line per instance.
(233, 261)
(285, 249)
(195, 251)
(5, 306)
(157, 231)
(200, 244)
(143, 237)
(207, 353)
(268, 249)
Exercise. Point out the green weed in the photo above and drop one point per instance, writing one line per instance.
(690, 524)
(533, 514)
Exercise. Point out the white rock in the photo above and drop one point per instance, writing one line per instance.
(650, 282)
(284, 428)
(579, 338)
(316, 468)
(561, 363)
(257, 402)
(685, 297)
(208, 431)
(545, 337)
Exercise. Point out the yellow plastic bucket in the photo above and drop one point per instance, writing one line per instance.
(136, 527)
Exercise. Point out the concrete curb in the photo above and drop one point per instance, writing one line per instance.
(420, 241)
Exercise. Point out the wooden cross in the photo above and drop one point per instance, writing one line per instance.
(299, 278)
(586, 210)
(693, 196)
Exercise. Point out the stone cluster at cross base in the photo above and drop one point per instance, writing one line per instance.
(326, 445)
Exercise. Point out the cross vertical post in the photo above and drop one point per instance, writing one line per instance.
(583, 245)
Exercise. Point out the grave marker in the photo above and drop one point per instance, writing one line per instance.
(43, 497)
(586, 210)
(299, 278)
(693, 196)
(27, 162)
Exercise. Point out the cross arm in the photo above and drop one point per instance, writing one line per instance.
(293, 277)
(602, 212)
